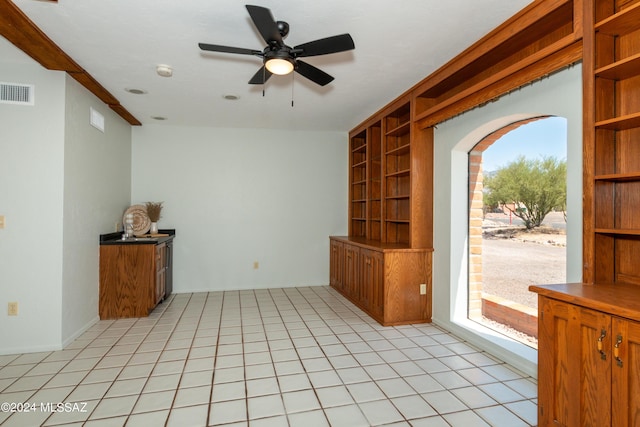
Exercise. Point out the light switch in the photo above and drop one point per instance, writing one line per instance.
(1, 221)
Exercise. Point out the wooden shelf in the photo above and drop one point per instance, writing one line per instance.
(402, 196)
(403, 129)
(618, 231)
(398, 221)
(623, 22)
(398, 151)
(620, 70)
(618, 177)
(628, 121)
(403, 172)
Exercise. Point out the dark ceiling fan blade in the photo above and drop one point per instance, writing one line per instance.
(229, 49)
(266, 25)
(260, 77)
(314, 74)
(326, 46)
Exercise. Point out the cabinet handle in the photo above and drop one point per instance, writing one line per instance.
(616, 350)
(603, 355)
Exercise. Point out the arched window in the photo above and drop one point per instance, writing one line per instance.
(505, 256)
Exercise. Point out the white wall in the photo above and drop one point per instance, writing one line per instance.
(31, 184)
(236, 196)
(559, 94)
(97, 189)
(62, 183)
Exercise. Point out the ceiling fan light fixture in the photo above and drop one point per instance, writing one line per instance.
(279, 66)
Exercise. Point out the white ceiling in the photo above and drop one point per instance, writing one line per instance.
(398, 43)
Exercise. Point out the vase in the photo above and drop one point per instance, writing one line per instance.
(154, 228)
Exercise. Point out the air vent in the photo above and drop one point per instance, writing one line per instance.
(16, 93)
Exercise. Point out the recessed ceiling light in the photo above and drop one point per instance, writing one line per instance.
(231, 97)
(136, 91)
(158, 118)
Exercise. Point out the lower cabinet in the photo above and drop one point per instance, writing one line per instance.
(132, 279)
(382, 280)
(589, 355)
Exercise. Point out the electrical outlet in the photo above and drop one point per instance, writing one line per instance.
(12, 309)
(2, 222)
(117, 226)
(256, 265)
(423, 289)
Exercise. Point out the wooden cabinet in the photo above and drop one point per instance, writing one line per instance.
(612, 140)
(588, 355)
(387, 255)
(132, 278)
(383, 279)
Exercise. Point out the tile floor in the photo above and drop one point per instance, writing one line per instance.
(280, 357)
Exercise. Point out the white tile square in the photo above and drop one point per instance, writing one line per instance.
(300, 401)
(192, 396)
(259, 371)
(154, 401)
(380, 412)
(525, 409)
(462, 419)
(353, 375)
(444, 402)
(294, 382)
(308, 419)
(450, 379)
(395, 387)
(228, 412)
(228, 391)
(414, 406)
(501, 393)
(162, 383)
(262, 387)
(265, 406)
(195, 379)
(527, 388)
(126, 387)
(365, 392)
(381, 372)
(473, 397)
(324, 379)
(192, 416)
(499, 416)
(317, 364)
(346, 416)
(110, 407)
(226, 375)
(334, 396)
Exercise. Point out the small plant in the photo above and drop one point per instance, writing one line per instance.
(153, 210)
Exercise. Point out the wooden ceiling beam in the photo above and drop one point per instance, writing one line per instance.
(17, 28)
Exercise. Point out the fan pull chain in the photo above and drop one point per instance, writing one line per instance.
(264, 83)
(292, 84)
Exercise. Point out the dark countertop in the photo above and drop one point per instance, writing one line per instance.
(116, 238)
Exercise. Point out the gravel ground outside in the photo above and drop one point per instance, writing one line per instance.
(513, 258)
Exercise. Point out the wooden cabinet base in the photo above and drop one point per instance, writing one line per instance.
(132, 279)
(383, 279)
(588, 355)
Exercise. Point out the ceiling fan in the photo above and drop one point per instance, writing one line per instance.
(280, 59)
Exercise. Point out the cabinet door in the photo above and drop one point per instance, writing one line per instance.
(160, 264)
(351, 270)
(625, 377)
(336, 265)
(574, 365)
(372, 282)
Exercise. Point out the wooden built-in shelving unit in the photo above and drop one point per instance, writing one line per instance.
(612, 58)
